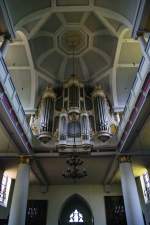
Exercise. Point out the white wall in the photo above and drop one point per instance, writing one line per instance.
(56, 196)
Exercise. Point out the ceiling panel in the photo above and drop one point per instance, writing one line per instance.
(71, 2)
(52, 24)
(39, 45)
(106, 43)
(130, 53)
(73, 17)
(94, 61)
(29, 26)
(125, 8)
(96, 170)
(20, 9)
(51, 63)
(77, 68)
(93, 23)
(116, 24)
(16, 56)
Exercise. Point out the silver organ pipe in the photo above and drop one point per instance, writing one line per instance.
(85, 127)
(102, 114)
(63, 127)
(47, 115)
(78, 114)
(72, 94)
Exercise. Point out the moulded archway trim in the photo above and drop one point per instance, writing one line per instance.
(23, 36)
(69, 204)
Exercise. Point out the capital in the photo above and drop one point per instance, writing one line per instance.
(124, 158)
(24, 159)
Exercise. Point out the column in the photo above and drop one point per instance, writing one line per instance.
(20, 194)
(130, 194)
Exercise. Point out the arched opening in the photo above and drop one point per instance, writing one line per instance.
(76, 211)
(21, 67)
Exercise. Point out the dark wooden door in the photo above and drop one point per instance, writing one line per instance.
(3, 222)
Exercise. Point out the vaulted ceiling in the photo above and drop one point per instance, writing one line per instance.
(104, 53)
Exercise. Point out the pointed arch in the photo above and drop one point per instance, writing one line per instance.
(77, 206)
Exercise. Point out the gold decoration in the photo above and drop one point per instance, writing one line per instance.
(113, 129)
(125, 158)
(25, 159)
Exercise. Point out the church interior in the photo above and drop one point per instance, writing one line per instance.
(75, 112)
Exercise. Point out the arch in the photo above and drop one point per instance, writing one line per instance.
(22, 69)
(113, 82)
(23, 35)
(76, 204)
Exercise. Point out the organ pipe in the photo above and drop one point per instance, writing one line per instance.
(47, 115)
(102, 114)
(63, 126)
(77, 113)
(85, 128)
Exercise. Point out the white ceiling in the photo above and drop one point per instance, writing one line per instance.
(107, 56)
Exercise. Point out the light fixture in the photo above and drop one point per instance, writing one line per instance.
(74, 171)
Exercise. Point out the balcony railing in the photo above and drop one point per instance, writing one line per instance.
(143, 70)
(10, 90)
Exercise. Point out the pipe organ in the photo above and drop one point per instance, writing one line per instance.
(102, 114)
(73, 115)
(46, 115)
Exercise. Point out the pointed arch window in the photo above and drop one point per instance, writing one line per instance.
(76, 210)
(76, 217)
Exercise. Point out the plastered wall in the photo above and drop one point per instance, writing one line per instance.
(57, 195)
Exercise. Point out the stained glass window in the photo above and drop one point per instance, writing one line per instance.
(76, 217)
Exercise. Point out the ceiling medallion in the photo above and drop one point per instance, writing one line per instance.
(74, 171)
(73, 39)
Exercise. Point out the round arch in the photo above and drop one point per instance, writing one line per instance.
(26, 69)
(75, 210)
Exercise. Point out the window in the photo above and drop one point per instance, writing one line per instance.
(4, 190)
(145, 183)
(36, 212)
(76, 217)
(115, 211)
(76, 210)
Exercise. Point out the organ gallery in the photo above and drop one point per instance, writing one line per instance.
(74, 114)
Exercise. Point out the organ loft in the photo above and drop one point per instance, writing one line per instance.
(74, 114)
